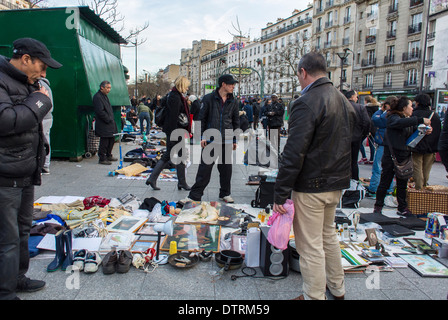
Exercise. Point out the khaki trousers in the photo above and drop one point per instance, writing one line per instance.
(422, 168)
(318, 244)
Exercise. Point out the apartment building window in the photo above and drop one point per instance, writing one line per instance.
(412, 77)
(346, 39)
(348, 13)
(414, 49)
(372, 11)
(390, 57)
(430, 56)
(317, 43)
(264, 48)
(393, 6)
(329, 22)
(416, 23)
(368, 80)
(328, 40)
(392, 29)
(388, 79)
(371, 57)
(283, 42)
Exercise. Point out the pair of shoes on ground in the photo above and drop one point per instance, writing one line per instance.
(117, 262)
(227, 199)
(403, 212)
(86, 261)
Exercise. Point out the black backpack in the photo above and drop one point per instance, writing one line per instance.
(160, 111)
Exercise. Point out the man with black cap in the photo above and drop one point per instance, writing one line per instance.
(23, 106)
(219, 111)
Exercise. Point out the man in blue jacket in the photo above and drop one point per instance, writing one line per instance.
(23, 106)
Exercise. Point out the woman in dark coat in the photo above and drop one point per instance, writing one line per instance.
(176, 106)
(400, 126)
(424, 154)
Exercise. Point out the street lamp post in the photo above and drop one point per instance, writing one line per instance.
(342, 56)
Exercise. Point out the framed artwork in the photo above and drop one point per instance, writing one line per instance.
(126, 224)
(415, 242)
(212, 212)
(425, 265)
(147, 229)
(142, 246)
(194, 237)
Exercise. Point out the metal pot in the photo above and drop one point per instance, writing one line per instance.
(229, 259)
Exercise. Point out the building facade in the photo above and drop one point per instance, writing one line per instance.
(13, 4)
(389, 38)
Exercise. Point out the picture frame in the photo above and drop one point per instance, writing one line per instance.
(415, 242)
(425, 265)
(142, 246)
(126, 224)
(194, 237)
(147, 229)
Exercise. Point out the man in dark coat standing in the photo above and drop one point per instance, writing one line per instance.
(360, 132)
(105, 126)
(23, 106)
(275, 113)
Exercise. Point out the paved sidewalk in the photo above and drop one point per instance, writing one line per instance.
(88, 178)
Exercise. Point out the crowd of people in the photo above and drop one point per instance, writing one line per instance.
(326, 129)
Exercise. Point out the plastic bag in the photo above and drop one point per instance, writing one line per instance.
(278, 234)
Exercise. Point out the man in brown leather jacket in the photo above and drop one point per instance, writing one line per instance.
(316, 167)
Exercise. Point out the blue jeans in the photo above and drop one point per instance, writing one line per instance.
(376, 172)
(145, 116)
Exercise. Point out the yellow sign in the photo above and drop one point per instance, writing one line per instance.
(244, 71)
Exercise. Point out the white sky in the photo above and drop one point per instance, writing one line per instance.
(175, 24)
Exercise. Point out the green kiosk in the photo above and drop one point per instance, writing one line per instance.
(89, 50)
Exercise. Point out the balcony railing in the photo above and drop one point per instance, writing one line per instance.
(327, 44)
(389, 59)
(370, 39)
(391, 34)
(413, 55)
(415, 28)
(346, 41)
(431, 35)
(318, 29)
(393, 8)
(287, 28)
(429, 62)
(414, 3)
(347, 20)
(368, 62)
(387, 85)
(328, 24)
(410, 83)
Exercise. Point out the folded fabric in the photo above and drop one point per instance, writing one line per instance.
(45, 228)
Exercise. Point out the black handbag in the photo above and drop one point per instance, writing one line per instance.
(403, 170)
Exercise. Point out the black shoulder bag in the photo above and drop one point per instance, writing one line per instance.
(403, 170)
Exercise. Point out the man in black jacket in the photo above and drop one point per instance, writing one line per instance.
(360, 132)
(219, 111)
(23, 106)
(315, 166)
(105, 126)
(275, 113)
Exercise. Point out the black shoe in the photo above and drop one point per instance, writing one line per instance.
(105, 162)
(404, 212)
(110, 262)
(186, 187)
(124, 261)
(112, 159)
(28, 285)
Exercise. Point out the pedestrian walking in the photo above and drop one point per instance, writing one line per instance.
(379, 120)
(360, 132)
(220, 111)
(176, 109)
(23, 106)
(105, 126)
(400, 126)
(321, 122)
(424, 154)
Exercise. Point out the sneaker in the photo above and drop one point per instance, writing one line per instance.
(93, 260)
(45, 171)
(404, 212)
(370, 194)
(184, 201)
(377, 209)
(363, 161)
(391, 201)
(28, 285)
(79, 259)
(227, 199)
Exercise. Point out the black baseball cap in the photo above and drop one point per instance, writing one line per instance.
(35, 49)
(227, 79)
